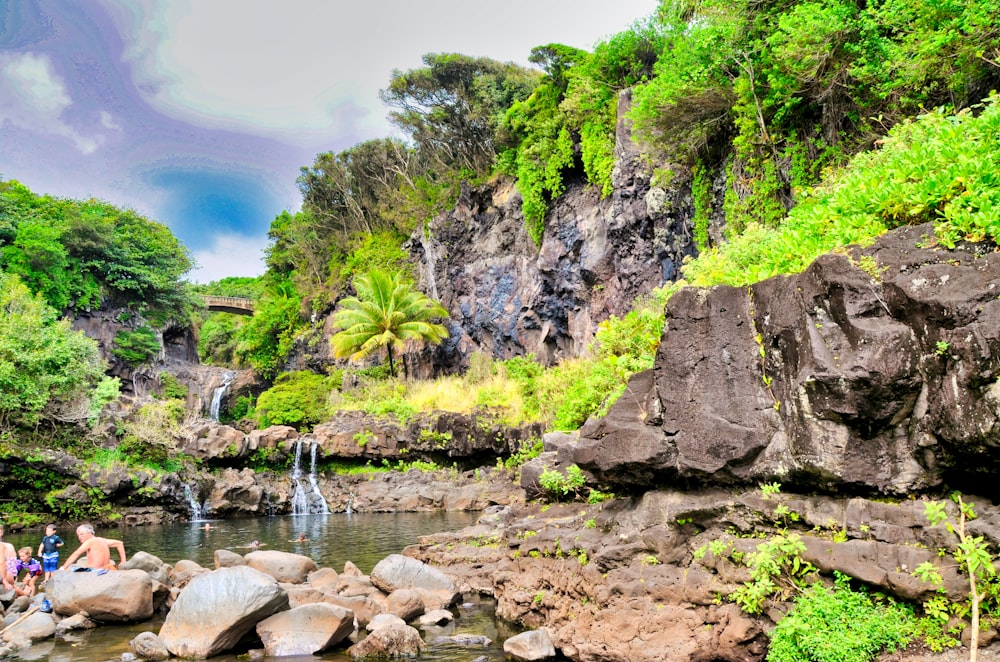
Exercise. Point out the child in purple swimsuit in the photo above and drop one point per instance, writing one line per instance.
(33, 568)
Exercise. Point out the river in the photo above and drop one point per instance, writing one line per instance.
(362, 538)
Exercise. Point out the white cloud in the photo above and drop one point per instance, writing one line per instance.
(108, 121)
(33, 97)
(230, 255)
(303, 69)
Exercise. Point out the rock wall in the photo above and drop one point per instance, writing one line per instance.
(509, 297)
(879, 380)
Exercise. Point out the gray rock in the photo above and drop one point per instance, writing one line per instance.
(149, 646)
(392, 640)
(115, 596)
(305, 630)
(217, 608)
(530, 646)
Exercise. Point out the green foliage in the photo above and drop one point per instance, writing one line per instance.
(701, 191)
(171, 387)
(266, 338)
(218, 339)
(803, 82)
(451, 107)
(136, 347)
(562, 486)
(974, 557)
(386, 313)
(575, 103)
(297, 399)
(840, 625)
(776, 568)
(938, 167)
(528, 451)
(107, 390)
(74, 252)
(45, 366)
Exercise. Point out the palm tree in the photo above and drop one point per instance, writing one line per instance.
(386, 313)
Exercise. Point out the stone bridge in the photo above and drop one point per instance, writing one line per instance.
(235, 305)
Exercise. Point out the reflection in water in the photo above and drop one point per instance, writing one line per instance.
(363, 538)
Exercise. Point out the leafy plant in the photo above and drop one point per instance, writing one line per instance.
(562, 486)
(385, 314)
(972, 555)
(839, 625)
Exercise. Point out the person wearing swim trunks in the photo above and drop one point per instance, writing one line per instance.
(49, 551)
(96, 549)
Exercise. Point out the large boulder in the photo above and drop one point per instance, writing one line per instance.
(529, 646)
(148, 563)
(37, 625)
(391, 640)
(874, 370)
(283, 566)
(311, 628)
(217, 608)
(115, 596)
(397, 571)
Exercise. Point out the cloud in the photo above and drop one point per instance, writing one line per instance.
(229, 255)
(302, 70)
(33, 97)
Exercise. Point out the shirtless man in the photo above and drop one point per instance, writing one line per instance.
(8, 561)
(97, 549)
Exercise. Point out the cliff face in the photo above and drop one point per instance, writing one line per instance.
(881, 382)
(509, 297)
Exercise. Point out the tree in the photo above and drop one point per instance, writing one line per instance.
(44, 364)
(453, 107)
(386, 312)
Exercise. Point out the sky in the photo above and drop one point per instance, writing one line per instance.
(199, 113)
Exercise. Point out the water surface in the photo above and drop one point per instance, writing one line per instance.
(362, 538)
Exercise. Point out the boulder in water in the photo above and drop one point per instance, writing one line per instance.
(304, 630)
(283, 566)
(217, 608)
(115, 596)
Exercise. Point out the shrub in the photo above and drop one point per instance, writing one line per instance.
(136, 347)
(297, 399)
(839, 625)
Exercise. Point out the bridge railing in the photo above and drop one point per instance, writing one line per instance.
(228, 302)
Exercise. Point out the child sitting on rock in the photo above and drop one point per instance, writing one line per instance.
(33, 570)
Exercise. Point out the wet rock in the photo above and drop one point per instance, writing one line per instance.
(115, 596)
(217, 608)
(37, 625)
(305, 630)
(405, 603)
(528, 646)
(397, 571)
(392, 640)
(75, 622)
(148, 646)
(225, 558)
(436, 617)
(283, 566)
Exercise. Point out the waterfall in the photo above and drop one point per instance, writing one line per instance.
(431, 261)
(306, 498)
(213, 410)
(197, 510)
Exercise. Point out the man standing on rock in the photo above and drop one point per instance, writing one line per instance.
(97, 549)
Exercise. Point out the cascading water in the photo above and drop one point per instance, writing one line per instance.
(197, 510)
(306, 497)
(213, 410)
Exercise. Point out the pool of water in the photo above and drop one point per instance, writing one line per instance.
(362, 538)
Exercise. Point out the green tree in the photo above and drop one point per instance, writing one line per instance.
(386, 312)
(45, 366)
(452, 107)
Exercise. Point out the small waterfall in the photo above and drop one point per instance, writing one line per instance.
(197, 510)
(306, 497)
(430, 260)
(350, 500)
(213, 410)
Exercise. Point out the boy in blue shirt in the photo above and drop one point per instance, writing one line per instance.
(49, 551)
